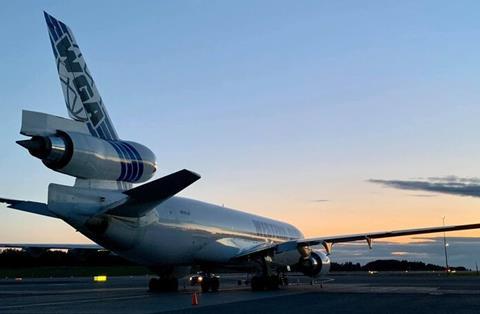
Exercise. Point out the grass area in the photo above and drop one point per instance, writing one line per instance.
(72, 271)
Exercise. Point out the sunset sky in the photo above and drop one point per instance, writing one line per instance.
(286, 109)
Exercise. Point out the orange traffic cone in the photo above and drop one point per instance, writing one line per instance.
(194, 299)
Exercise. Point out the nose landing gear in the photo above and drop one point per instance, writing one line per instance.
(210, 283)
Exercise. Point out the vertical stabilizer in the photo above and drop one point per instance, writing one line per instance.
(81, 95)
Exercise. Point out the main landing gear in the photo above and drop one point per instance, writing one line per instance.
(262, 282)
(265, 279)
(163, 284)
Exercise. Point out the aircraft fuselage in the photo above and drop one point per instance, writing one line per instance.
(183, 231)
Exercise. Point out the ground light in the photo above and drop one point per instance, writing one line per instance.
(100, 278)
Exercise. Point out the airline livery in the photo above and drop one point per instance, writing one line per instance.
(148, 224)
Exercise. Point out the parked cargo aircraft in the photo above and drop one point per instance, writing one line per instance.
(148, 224)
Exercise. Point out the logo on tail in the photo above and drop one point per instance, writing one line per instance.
(81, 95)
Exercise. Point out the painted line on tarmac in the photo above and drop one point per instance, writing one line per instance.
(21, 292)
(73, 302)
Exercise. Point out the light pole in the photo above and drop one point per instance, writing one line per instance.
(445, 244)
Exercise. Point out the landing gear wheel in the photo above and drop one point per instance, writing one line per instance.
(172, 285)
(215, 284)
(284, 280)
(260, 283)
(154, 284)
(205, 285)
(273, 282)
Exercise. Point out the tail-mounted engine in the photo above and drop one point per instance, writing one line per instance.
(87, 157)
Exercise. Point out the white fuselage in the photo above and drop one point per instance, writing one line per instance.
(182, 231)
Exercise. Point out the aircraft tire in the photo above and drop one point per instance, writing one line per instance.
(172, 284)
(206, 285)
(215, 284)
(272, 282)
(258, 283)
(154, 285)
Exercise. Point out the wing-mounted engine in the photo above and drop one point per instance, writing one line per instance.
(317, 263)
(64, 147)
(310, 262)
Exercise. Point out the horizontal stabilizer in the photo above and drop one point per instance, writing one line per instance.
(142, 198)
(163, 188)
(27, 206)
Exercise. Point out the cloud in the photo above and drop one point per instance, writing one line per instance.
(319, 201)
(448, 185)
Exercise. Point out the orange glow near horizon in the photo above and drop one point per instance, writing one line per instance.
(376, 209)
(368, 209)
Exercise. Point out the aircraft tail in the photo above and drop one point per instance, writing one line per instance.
(81, 95)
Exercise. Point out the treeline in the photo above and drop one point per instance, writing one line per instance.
(390, 265)
(11, 258)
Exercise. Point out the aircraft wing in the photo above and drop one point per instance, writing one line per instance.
(48, 246)
(328, 241)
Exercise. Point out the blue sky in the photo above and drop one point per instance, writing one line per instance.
(275, 103)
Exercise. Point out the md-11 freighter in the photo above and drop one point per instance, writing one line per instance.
(148, 224)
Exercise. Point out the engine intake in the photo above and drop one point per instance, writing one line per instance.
(316, 264)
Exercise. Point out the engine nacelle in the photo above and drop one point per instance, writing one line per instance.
(87, 157)
(316, 264)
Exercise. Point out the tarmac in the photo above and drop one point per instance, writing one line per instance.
(339, 293)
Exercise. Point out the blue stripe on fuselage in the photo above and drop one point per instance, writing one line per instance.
(137, 157)
(122, 163)
(131, 161)
(134, 173)
(128, 163)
